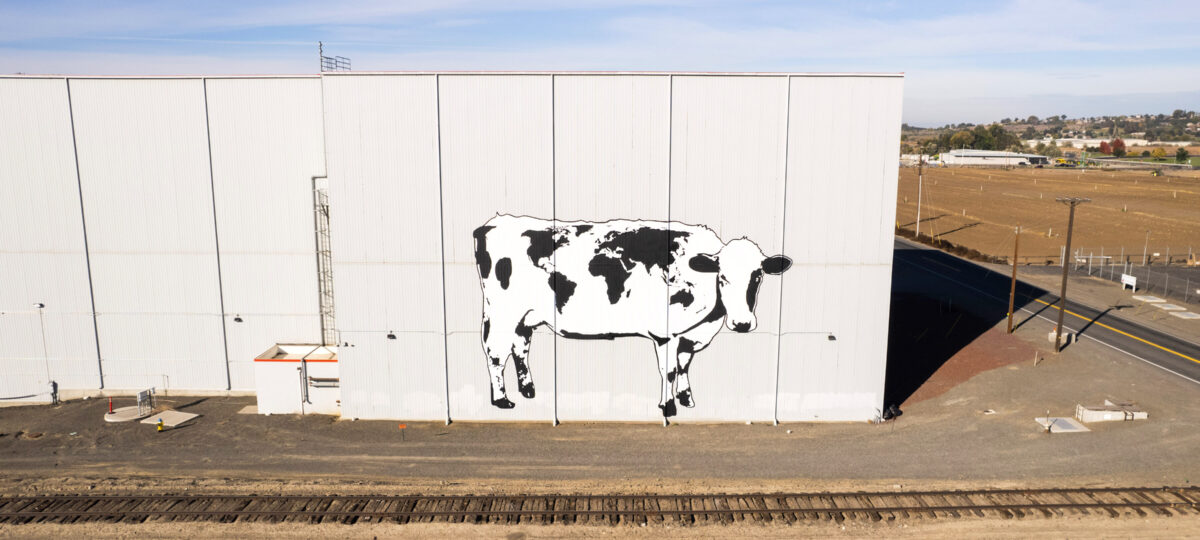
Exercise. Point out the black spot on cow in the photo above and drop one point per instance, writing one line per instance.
(580, 229)
(504, 271)
(647, 245)
(524, 331)
(483, 259)
(563, 289)
(487, 328)
(614, 273)
(683, 297)
(751, 289)
(668, 410)
(542, 244)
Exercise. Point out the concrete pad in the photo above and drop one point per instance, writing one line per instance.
(1186, 315)
(248, 409)
(1170, 307)
(1147, 298)
(1061, 425)
(170, 418)
(124, 414)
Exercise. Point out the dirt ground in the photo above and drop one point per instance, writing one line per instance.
(1125, 204)
(973, 428)
(1087, 527)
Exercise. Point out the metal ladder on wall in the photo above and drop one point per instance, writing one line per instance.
(329, 333)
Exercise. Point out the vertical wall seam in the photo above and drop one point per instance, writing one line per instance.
(216, 236)
(87, 256)
(670, 160)
(437, 100)
(554, 220)
(787, 133)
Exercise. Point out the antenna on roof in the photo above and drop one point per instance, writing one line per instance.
(331, 63)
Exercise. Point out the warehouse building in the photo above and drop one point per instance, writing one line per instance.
(169, 232)
(992, 158)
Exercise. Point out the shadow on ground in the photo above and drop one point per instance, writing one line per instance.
(939, 305)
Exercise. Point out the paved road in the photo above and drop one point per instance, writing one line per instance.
(1159, 349)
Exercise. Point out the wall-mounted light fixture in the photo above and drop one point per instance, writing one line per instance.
(832, 337)
(391, 335)
(237, 318)
(39, 305)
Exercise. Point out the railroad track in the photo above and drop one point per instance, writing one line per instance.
(600, 509)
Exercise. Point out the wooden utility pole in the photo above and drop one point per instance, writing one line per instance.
(1012, 291)
(920, 178)
(1062, 301)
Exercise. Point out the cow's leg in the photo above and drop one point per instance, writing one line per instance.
(497, 346)
(683, 387)
(666, 370)
(520, 353)
(690, 344)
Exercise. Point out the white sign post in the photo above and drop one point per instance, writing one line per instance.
(1128, 281)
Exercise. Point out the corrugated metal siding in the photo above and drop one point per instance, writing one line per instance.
(612, 137)
(496, 158)
(143, 161)
(840, 214)
(382, 152)
(575, 146)
(42, 256)
(267, 144)
(727, 153)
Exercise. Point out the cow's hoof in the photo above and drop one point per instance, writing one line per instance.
(668, 410)
(685, 398)
(528, 391)
(503, 403)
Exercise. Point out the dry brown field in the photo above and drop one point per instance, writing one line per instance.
(980, 208)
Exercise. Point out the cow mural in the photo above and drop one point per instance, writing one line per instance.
(611, 279)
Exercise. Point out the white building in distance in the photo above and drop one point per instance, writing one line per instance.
(992, 158)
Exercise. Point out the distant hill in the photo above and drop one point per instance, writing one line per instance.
(1008, 133)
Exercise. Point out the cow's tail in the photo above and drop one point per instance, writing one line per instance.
(483, 259)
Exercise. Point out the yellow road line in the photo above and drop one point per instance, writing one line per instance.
(1126, 334)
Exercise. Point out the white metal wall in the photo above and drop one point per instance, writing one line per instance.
(382, 152)
(143, 162)
(612, 138)
(169, 168)
(778, 159)
(496, 157)
(42, 256)
(267, 144)
(840, 213)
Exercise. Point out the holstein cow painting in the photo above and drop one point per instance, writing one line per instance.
(611, 279)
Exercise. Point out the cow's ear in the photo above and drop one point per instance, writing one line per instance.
(704, 263)
(776, 265)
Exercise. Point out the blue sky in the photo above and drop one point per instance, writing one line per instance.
(964, 61)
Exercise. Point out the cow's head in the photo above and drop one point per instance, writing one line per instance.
(740, 266)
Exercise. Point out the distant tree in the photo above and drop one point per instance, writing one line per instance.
(1118, 147)
(1029, 133)
(1145, 153)
(1158, 154)
(1040, 148)
(1105, 148)
(962, 139)
(1178, 113)
(1032, 120)
(1052, 151)
(1181, 155)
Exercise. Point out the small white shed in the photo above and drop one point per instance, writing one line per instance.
(298, 379)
